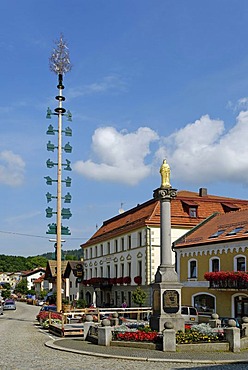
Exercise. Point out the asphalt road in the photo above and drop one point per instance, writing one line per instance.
(23, 347)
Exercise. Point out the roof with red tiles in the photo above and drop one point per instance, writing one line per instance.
(216, 229)
(40, 279)
(148, 214)
(34, 271)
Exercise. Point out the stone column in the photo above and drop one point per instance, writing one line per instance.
(165, 196)
(166, 298)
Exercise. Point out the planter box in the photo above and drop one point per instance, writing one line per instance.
(197, 347)
(203, 347)
(142, 345)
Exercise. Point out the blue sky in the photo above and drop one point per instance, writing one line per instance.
(150, 80)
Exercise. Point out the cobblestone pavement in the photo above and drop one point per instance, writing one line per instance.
(23, 348)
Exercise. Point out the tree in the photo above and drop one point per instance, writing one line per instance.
(139, 296)
(22, 287)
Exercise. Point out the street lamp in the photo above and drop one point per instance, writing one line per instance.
(60, 64)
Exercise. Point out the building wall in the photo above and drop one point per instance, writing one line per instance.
(224, 299)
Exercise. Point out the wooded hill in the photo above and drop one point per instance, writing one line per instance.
(19, 263)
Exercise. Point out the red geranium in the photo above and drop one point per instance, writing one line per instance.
(127, 280)
(138, 280)
(139, 336)
(226, 275)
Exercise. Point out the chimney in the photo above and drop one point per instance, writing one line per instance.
(203, 192)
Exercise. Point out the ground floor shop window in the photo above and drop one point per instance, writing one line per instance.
(204, 303)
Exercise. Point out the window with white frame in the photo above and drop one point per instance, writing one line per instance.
(95, 271)
(139, 239)
(129, 243)
(90, 252)
(192, 269)
(86, 254)
(116, 245)
(214, 264)
(101, 271)
(129, 269)
(122, 244)
(116, 271)
(122, 269)
(139, 268)
(108, 271)
(108, 248)
(96, 251)
(239, 263)
(101, 249)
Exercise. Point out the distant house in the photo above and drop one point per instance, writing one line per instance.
(12, 278)
(211, 262)
(31, 275)
(125, 251)
(41, 284)
(74, 273)
(51, 276)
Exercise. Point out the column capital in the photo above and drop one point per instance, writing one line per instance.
(164, 194)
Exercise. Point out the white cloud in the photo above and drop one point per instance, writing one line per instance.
(241, 104)
(108, 83)
(203, 152)
(119, 155)
(12, 168)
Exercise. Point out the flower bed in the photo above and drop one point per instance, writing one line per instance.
(44, 315)
(201, 333)
(138, 335)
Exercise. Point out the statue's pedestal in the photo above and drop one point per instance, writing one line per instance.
(166, 300)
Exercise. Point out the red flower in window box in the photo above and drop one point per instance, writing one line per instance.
(119, 280)
(138, 280)
(126, 280)
(85, 282)
(113, 281)
(227, 275)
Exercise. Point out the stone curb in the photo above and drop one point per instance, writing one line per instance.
(52, 344)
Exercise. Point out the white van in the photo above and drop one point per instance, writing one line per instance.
(190, 315)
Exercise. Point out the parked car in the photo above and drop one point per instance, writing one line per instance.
(190, 315)
(9, 305)
(44, 310)
(48, 308)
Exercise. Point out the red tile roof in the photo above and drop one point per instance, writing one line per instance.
(148, 214)
(216, 228)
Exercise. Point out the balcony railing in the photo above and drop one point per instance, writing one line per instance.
(227, 280)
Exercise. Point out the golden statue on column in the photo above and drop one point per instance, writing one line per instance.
(165, 175)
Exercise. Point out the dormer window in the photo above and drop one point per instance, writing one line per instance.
(190, 207)
(229, 207)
